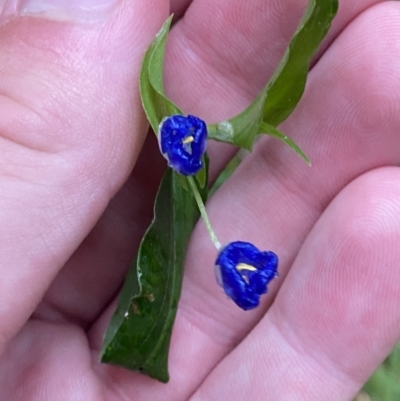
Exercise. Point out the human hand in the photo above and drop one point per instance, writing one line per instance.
(334, 227)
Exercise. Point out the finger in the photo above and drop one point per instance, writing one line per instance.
(68, 108)
(339, 300)
(95, 270)
(285, 197)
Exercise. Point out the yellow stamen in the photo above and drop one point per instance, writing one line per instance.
(188, 140)
(245, 266)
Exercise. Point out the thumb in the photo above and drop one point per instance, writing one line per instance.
(71, 126)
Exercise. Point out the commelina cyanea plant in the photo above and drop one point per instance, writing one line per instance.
(139, 333)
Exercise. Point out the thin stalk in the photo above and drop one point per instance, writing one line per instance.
(203, 213)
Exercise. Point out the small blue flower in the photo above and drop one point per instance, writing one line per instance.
(244, 272)
(182, 141)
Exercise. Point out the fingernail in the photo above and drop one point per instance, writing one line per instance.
(63, 10)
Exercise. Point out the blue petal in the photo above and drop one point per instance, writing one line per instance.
(185, 158)
(246, 286)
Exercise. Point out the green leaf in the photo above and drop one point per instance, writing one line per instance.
(286, 86)
(272, 131)
(156, 105)
(139, 333)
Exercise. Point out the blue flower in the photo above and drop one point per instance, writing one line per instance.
(244, 272)
(182, 141)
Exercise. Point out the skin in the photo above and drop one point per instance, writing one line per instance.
(72, 211)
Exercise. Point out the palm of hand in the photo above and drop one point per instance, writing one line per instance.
(335, 226)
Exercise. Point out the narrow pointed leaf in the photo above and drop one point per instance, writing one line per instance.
(155, 103)
(288, 82)
(272, 131)
(139, 333)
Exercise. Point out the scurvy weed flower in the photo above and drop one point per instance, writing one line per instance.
(244, 272)
(182, 141)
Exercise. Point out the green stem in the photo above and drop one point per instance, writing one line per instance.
(203, 213)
